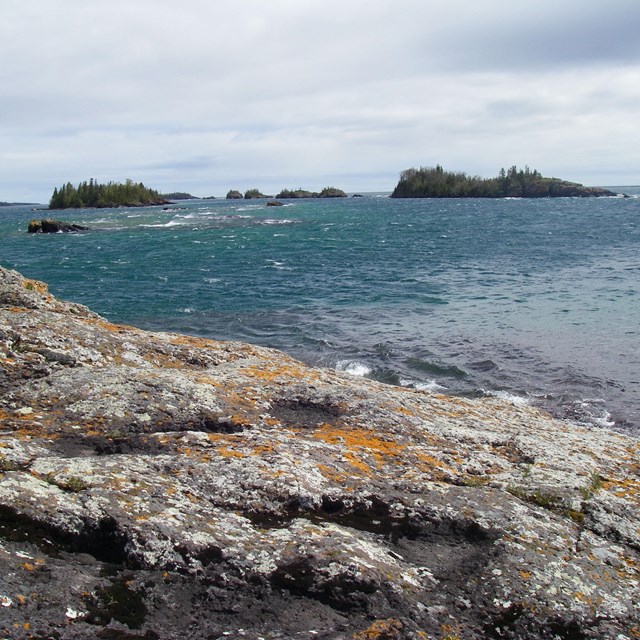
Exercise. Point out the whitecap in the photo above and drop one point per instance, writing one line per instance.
(511, 398)
(269, 221)
(171, 223)
(432, 385)
(354, 368)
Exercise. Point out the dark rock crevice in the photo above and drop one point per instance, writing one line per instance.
(103, 540)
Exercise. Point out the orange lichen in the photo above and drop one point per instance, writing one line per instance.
(380, 630)
(193, 341)
(623, 488)
(217, 437)
(356, 462)
(269, 373)
(110, 326)
(35, 285)
(230, 453)
(360, 441)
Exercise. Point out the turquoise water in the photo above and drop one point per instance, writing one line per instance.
(536, 300)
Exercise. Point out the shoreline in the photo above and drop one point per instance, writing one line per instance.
(154, 467)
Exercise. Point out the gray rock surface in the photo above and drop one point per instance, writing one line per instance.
(156, 486)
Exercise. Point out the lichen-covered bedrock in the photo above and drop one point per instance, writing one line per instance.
(160, 486)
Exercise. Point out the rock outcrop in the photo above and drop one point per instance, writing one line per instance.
(48, 225)
(155, 485)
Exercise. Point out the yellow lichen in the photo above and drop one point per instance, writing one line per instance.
(360, 441)
(230, 453)
(380, 630)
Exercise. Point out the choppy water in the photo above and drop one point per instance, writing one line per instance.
(537, 300)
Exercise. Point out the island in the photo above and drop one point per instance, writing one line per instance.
(253, 194)
(100, 196)
(435, 182)
(178, 195)
(234, 194)
(157, 486)
(327, 192)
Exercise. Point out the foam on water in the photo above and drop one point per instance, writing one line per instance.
(511, 398)
(354, 368)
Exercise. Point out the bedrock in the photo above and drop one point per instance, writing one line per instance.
(155, 485)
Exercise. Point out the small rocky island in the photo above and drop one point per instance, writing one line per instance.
(49, 225)
(327, 192)
(287, 194)
(161, 486)
(435, 182)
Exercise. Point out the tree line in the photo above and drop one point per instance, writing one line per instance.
(435, 182)
(111, 194)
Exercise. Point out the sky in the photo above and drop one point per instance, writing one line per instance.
(205, 96)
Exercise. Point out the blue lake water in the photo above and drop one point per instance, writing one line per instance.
(536, 300)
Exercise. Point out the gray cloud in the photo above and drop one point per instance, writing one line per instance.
(208, 94)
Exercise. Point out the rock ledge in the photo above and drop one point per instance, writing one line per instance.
(155, 486)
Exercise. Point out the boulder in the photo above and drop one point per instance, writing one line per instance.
(48, 225)
(156, 485)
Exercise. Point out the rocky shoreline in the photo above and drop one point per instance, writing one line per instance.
(155, 485)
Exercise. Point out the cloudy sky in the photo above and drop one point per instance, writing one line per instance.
(208, 95)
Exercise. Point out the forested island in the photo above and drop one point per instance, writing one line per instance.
(327, 192)
(178, 195)
(435, 182)
(113, 194)
(251, 194)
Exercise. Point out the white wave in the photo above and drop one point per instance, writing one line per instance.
(605, 420)
(595, 411)
(171, 223)
(354, 368)
(511, 398)
(432, 385)
(268, 221)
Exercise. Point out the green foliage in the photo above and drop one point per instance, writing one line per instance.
(435, 182)
(7, 465)
(73, 484)
(178, 195)
(296, 193)
(595, 484)
(112, 194)
(252, 194)
(332, 192)
(327, 192)
(538, 498)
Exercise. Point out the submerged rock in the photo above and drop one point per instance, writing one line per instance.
(48, 225)
(155, 485)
